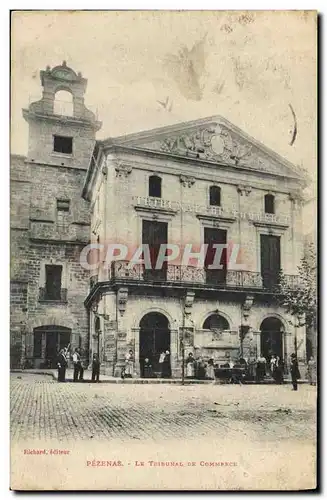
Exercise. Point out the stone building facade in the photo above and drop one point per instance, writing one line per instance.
(201, 182)
(50, 223)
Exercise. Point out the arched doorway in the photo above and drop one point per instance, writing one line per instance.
(271, 337)
(48, 340)
(154, 339)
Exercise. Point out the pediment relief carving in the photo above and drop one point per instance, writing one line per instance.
(215, 140)
(214, 143)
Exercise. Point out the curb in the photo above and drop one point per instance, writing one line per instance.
(153, 381)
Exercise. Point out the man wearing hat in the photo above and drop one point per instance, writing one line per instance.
(295, 373)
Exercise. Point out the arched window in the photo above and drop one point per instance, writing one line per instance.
(269, 204)
(63, 103)
(155, 186)
(216, 322)
(214, 195)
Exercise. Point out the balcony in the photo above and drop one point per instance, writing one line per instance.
(175, 274)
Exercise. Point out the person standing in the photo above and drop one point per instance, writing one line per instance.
(210, 370)
(273, 362)
(166, 368)
(261, 368)
(95, 368)
(312, 371)
(129, 364)
(78, 370)
(62, 365)
(147, 369)
(201, 369)
(81, 370)
(295, 373)
(190, 366)
(161, 362)
(279, 371)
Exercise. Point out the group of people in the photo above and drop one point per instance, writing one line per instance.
(78, 376)
(198, 369)
(194, 368)
(164, 368)
(275, 366)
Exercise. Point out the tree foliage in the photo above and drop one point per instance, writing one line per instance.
(300, 299)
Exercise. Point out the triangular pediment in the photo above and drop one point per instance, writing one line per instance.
(214, 140)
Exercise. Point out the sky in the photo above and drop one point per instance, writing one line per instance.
(251, 67)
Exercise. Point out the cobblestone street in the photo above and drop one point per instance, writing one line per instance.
(43, 409)
(257, 426)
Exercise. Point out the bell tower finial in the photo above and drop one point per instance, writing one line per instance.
(60, 111)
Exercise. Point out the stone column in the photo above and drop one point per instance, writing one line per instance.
(136, 340)
(109, 345)
(122, 339)
(175, 368)
(257, 341)
(121, 352)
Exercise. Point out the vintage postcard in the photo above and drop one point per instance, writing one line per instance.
(163, 177)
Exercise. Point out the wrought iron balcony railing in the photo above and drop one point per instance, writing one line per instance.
(121, 270)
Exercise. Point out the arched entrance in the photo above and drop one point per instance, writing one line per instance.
(154, 339)
(48, 340)
(272, 337)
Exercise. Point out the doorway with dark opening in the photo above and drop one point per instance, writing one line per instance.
(48, 340)
(154, 339)
(272, 338)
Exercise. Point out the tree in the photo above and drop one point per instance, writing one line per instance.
(300, 298)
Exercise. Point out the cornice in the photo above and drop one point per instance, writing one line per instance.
(155, 210)
(271, 225)
(197, 161)
(216, 218)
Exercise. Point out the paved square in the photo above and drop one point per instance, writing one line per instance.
(43, 409)
(267, 431)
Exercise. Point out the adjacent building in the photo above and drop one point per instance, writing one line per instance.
(204, 182)
(50, 223)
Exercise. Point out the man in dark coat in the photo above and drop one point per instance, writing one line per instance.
(295, 373)
(95, 368)
(166, 368)
(62, 365)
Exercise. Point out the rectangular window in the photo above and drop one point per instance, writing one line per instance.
(155, 234)
(270, 259)
(214, 236)
(63, 207)
(269, 204)
(53, 282)
(63, 144)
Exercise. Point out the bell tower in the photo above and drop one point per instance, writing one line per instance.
(61, 132)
